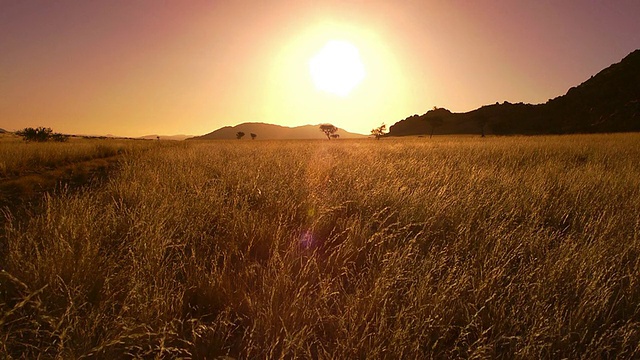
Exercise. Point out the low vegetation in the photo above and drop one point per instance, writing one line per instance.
(41, 134)
(521, 247)
(29, 169)
(18, 158)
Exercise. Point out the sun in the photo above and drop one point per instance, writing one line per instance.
(337, 68)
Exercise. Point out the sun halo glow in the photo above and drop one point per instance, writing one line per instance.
(337, 68)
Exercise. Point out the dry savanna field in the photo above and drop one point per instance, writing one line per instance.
(449, 247)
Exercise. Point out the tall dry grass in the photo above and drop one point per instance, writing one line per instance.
(18, 157)
(523, 247)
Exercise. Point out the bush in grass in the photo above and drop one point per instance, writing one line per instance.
(41, 134)
(59, 137)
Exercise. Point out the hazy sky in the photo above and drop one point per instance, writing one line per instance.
(133, 67)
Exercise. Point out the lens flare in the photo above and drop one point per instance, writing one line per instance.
(306, 239)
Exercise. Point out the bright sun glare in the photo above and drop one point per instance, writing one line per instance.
(337, 68)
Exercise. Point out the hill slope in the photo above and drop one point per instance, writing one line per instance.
(273, 132)
(165, 137)
(607, 102)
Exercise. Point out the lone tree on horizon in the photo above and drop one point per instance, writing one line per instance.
(239, 135)
(379, 131)
(328, 130)
(253, 136)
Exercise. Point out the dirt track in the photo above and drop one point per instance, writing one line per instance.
(29, 187)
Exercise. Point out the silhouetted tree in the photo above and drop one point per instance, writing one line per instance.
(482, 121)
(434, 122)
(239, 135)
(379, 131)
(328, 130)
(253, 136)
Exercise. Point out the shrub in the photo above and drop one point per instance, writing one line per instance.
(41, 134)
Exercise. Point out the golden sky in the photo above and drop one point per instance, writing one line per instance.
(133, 68)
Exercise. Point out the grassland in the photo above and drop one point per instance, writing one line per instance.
(28, 169)
(518, 247)
(18, 158)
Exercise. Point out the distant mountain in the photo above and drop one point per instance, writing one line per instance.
(273, 132)
(607, 102)
(166, 137)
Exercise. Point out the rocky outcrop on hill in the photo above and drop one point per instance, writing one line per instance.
(607, 102)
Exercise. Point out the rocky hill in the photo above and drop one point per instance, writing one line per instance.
(273, 132)
(607, 102)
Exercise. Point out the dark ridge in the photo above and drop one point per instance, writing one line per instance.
(608, 102)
